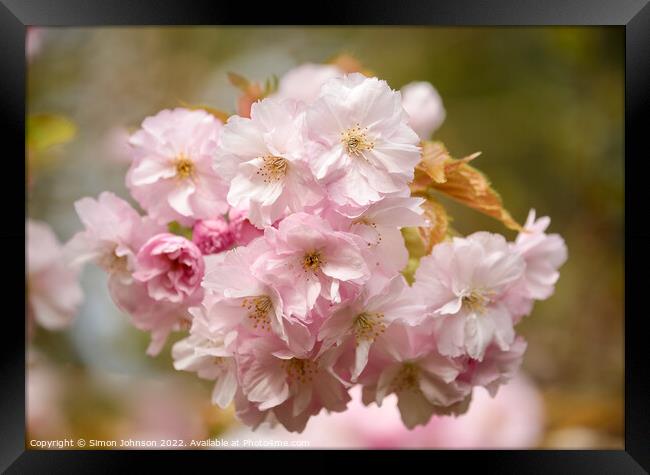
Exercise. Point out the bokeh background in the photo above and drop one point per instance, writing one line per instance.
(544, 105)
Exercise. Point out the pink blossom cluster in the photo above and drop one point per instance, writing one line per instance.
(290, 285)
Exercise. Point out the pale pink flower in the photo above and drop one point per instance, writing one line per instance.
(171, 175)
(356, 324)
(171, 267)
(307, 259)
(543, 253)
(463, 283)
(514, 418)
(285, 386)
(363, 148)
(222, 233)
(238, 301)
(264, 159)
(497, 367)
(303, 83)
(405, 361)
(379, 225)
(114, 233)
(207, 353)
(424, 108)
(53, 291)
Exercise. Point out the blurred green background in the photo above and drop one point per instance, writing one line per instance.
(544, 105)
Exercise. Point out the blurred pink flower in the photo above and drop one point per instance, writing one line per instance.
(114, 233)
(303, 83)
(171, 175)
(161, 409)
(45, 391)
(513, 419)
(424, 108)
(171, 267)
(54, 294)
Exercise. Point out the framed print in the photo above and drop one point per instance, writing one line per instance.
(416, 227)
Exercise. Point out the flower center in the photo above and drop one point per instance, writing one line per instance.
(407, 378)
(356, 141)
(258, 311)
(273, 169)
(476, 301)
(113, 263)
(368, 326)
(312, 261)
(299, 370)
(184, 166)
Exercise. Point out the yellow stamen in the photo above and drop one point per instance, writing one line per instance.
(273, 169)
(368, 326)
(113, 263)
(184, 166)
(407, 378)
(476, 301)
(259, 309)
(312, 261)
(299, 370)
(355, 140)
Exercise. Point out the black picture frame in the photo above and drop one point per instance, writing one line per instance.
(632, 15)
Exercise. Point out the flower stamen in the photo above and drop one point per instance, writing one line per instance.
(184, 166)
(476, 301)
(368, 326)
(355, 140)
(114, 264)
(407, 378)
(300, 370)
(259, 309)
(312, 261)
(274, 168)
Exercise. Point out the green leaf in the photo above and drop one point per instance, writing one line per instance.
(176, 228)
(416, 250)
(47, 130)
